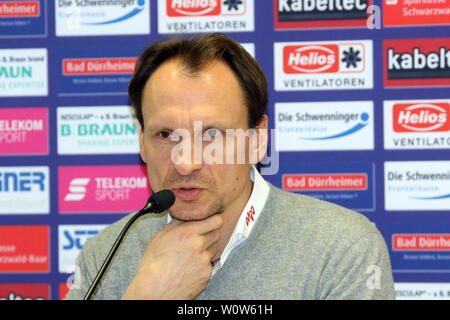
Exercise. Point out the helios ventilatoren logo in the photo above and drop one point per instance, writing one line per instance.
(323, 65)
(178, 16)
(417, 124)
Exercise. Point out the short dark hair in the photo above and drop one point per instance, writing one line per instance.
(195, 53)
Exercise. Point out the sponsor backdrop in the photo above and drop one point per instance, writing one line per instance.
(359, 95)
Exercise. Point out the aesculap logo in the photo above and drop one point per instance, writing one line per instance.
(102, 189)
(421, 117)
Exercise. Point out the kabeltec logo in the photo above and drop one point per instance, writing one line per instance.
(417, 62)
(299, 14)
(71, 239)
(24, 190)
(24, 249)
(23, 131)
(184, 16)
(420, 124)
(102, 189)
(323, 65)
(29, 291)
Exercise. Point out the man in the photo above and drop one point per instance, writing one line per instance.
(230, 234)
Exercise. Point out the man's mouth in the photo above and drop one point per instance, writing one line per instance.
(187, 193)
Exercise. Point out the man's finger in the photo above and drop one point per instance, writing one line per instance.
(204, 226)
(211, 238)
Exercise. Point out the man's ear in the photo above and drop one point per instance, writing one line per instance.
(263, 139)
(141, 146)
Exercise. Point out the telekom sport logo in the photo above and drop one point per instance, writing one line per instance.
(323, 58)
(102, 189)
(421, 117)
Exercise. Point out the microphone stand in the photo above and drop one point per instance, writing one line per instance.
(157, 203)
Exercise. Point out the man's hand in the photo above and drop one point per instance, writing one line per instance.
(177, 262)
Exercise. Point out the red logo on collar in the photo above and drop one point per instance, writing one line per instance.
(250, 215)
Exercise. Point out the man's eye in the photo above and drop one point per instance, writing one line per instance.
(164, 134)
(211, 133)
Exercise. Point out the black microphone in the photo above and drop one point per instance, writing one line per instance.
(157, 203)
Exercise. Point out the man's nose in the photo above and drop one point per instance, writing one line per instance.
(188, 161)
(187, 168)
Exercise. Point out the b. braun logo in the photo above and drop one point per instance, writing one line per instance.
(311, 59)
(182, 8)
(421, 117)
(77, 189)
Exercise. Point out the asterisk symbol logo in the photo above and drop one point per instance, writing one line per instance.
(232, 4)
(351, 57)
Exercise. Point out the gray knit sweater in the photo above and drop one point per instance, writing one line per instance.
(299, 248)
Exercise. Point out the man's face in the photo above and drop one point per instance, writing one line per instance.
(172, 100)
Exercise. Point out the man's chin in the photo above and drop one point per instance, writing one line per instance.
(189, 216)
(191, 212)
